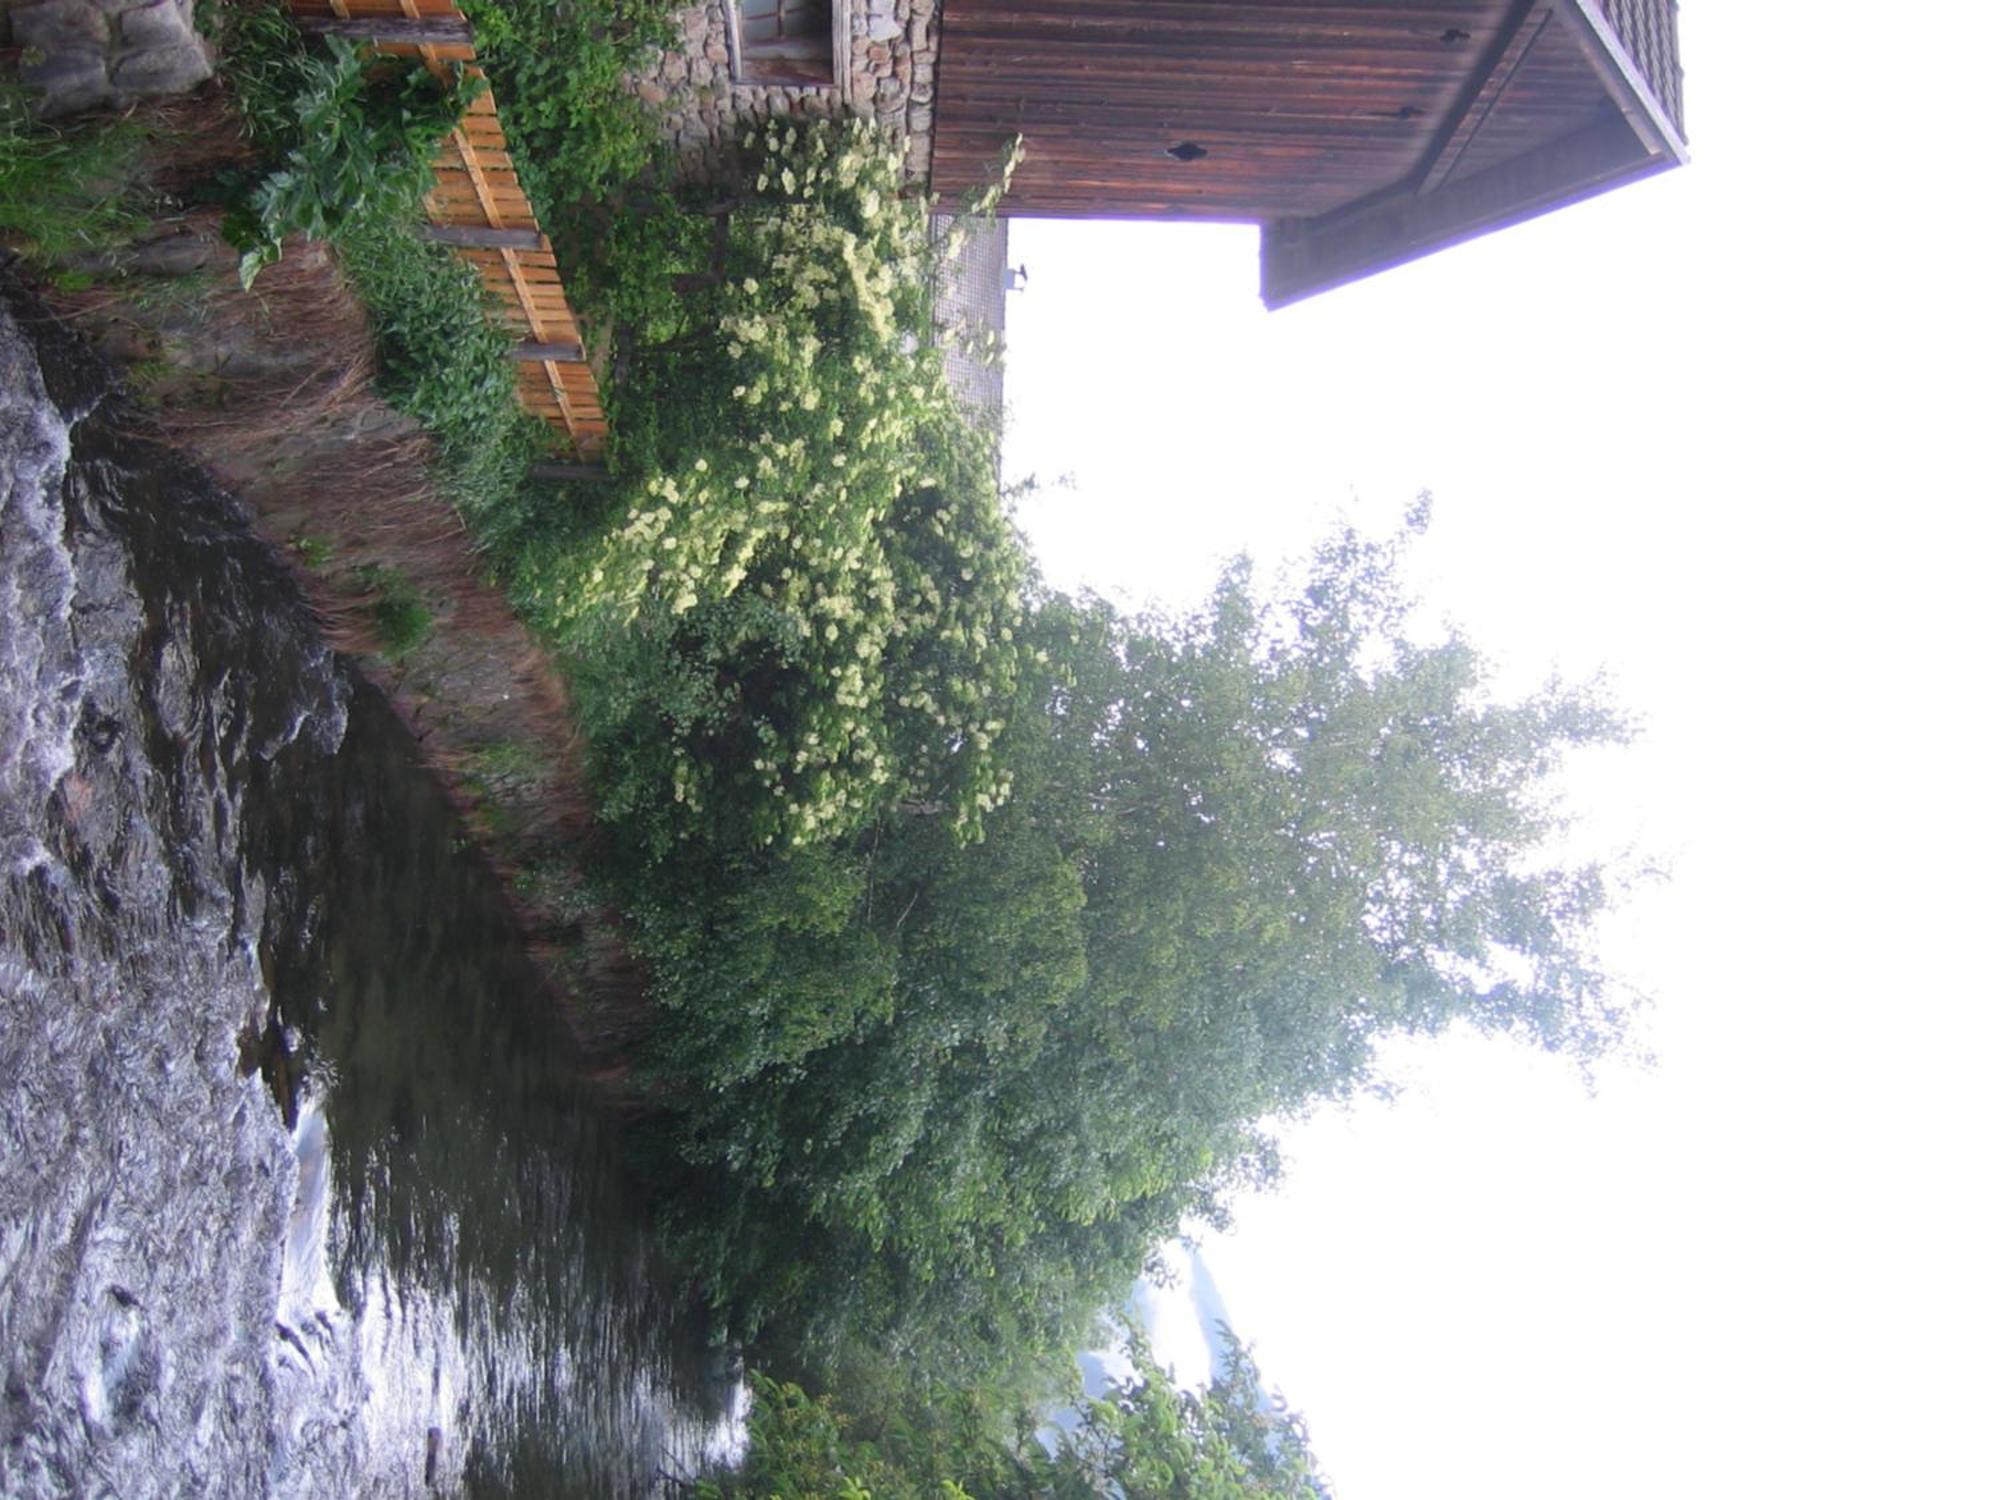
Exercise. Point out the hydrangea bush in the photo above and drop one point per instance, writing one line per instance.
(822, 577)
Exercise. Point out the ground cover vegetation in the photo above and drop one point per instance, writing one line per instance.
(63, 193)
(988, 927)
(343, 146)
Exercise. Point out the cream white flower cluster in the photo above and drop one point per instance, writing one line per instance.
(847, 498)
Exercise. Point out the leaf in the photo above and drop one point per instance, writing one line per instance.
(255, 259)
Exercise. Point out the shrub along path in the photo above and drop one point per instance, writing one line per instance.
(479, 207)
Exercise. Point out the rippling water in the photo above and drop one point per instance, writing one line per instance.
(298, 1192)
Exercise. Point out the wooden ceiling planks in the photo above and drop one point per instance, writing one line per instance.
(1359, 134)
(1555, 120)
(1547, 90)
(1297, 106)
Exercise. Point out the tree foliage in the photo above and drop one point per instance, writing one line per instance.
(1142, 1439)
(1146, 1439)
(941, 1097)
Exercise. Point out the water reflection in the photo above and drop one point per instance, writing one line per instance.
(468, 1274)
(220, 882)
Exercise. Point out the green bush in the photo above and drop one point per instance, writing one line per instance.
(560, 67)
(400, 615)
(443, 358)
(625, 277)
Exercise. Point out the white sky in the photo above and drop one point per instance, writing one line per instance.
(1720, 434)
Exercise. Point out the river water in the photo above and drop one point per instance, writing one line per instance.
(299, 1194)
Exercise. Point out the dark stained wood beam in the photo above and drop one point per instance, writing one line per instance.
(1483, 91)
(480, 237)
(1304, 256)
(429, 32)
(530, 351)
(571, 473)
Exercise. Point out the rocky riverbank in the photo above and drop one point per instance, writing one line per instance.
(270, 391)
(147, 1180)
(300, 1192)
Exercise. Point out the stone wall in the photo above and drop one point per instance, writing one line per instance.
(84, 53)
(886, 71)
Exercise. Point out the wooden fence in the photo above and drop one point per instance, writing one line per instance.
(479, 208)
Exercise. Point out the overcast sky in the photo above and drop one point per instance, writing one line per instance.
(1727, 435)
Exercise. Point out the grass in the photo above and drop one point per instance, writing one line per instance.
(557, 887)
(65, 193)
(507, 760)
(443, 359)
(399, 614)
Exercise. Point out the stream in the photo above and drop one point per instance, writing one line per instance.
(299, 1192)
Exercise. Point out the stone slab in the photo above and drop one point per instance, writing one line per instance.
(163, 23)
(162, 70)
(59, 26)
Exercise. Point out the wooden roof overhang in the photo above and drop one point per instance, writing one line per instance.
(1360, 135)
(1526, 137)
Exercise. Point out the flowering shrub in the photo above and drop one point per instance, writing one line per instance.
(808, 611)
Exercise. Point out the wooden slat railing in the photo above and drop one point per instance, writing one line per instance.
(478, 207)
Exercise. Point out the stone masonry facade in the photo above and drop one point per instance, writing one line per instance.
(884, 69)
(80, 54)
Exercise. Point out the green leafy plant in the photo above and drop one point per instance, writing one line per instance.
(401, 617)
(443, 357)
(562, 71)
(808, 612)
(348, 137)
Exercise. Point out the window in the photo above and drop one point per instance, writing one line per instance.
(784, 41)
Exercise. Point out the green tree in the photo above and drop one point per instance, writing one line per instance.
(1143, 1439)
(1242, 846)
